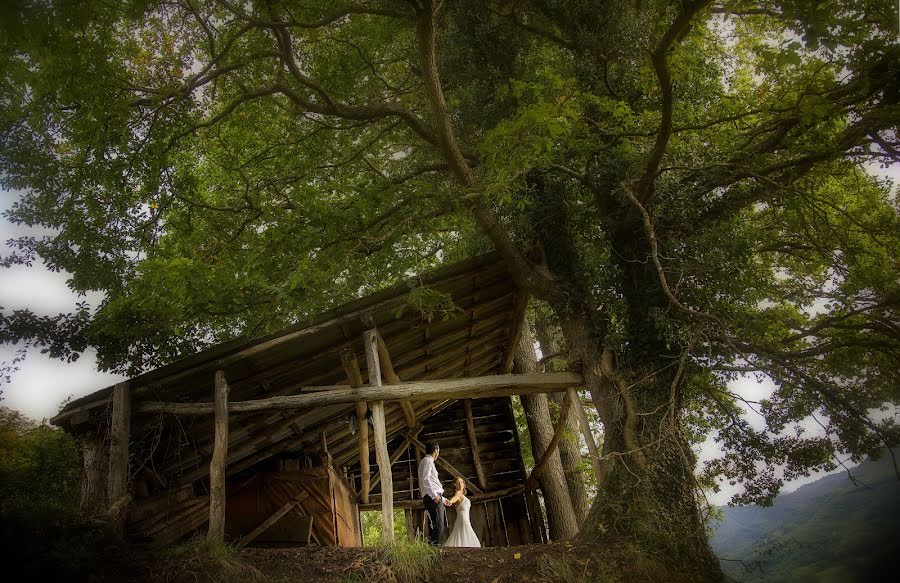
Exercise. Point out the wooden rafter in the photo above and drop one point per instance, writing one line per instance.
(473, 443)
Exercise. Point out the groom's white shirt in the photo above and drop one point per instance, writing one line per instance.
(429, 484)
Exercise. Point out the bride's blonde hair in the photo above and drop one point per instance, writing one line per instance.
(460, 485)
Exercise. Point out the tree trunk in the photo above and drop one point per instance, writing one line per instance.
(560, 515)
(570, 455)
(570, 446)
(647, 492)
(95, 464)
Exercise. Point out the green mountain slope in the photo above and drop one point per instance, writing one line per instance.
(829, 531)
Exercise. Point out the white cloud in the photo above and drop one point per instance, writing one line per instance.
(41, 384)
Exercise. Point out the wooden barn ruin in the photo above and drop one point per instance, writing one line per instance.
(287, 439)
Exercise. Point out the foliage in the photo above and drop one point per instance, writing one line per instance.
(39, 467)
(411, 561)
(684, 183)
(371, 527)
(428, 303)
(43, 537)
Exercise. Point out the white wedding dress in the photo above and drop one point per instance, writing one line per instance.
(463, 535)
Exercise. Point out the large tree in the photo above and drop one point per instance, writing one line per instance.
(682, 183)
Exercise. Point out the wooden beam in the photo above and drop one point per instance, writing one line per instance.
(354, 377)
(370, 344)
(246, 540)
(445, 464)
(558, 431)
(521, 306)
(465, 388)
(119, 435)
(387, 368)
(417, 504)
(217, 463)
(473, 443)
(586, 431)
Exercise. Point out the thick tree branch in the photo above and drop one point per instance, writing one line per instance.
(667, 99)
(526, 274)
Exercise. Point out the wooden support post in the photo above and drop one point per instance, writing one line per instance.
(370, 342)
(326, 455)
(217, 464)
(558, 431)
(586, 431)
(473, 443)
(246, 540)
(117, 479)
(354, 377)
(410, 525)
(387, 369)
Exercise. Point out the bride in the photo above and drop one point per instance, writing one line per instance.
(462, 535)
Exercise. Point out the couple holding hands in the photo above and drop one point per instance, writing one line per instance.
(435, 504)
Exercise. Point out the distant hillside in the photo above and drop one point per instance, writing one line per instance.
(827, 531)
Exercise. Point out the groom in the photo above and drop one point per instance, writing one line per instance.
(432, 493)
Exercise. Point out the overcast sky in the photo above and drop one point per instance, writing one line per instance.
(42, 383)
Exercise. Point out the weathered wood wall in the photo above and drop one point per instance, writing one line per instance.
(329, 503)
(502, 522)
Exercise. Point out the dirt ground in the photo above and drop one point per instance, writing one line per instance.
(537, 563)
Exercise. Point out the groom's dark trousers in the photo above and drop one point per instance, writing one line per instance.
(435, 512)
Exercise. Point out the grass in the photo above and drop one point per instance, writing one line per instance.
(200, 560)
(569, 569)
(411, 561)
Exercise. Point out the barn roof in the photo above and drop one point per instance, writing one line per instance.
(475, 339)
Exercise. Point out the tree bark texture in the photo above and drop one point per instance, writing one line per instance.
(570, 456)
(647, 488)
(95, 461)
(119, 437)
(647, 492)
(570, 446)
(560, 514)
(216, 531)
